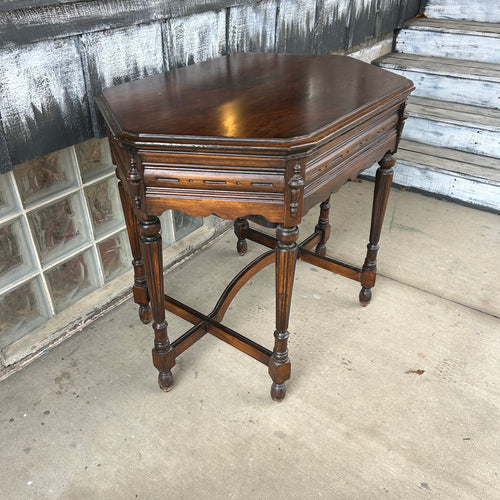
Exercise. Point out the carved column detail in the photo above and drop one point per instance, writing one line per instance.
(134, 178)
(403, 115)
(296, 185)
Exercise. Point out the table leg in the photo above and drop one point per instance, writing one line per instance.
(140, 289)
(163, 354)
(239, 225)
(383, 182)
(286, 258)
(323, 227)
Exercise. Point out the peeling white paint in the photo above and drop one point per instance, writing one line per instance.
(196, 38)
(473, 10)
(123, 54)
(295, 24)
(333, 9)
(483, 47)
(40, 77)
(253, 27)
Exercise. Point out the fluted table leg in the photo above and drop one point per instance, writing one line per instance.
(163, 355)
(286, 257)
(383, 182)
(140, 289)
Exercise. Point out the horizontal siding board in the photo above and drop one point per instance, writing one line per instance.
(296, 26)
(195, 38)
(387, 17)
(362, 21)
(472, 47)
(472, 10)
(117, 56)
(333, 25)
(48, 20)
(43, 98)
(252, 28)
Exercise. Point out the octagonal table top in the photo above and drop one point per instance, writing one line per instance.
(249, 98)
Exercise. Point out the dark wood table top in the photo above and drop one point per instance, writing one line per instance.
(254, 98)
(260, 134)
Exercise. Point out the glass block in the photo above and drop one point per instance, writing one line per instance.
(185, 224)
(72, 280)
(59, 228)
(105, 207)
(16, 259)
(167, 229)
(22, 310)
(43, 177)
(115, 255)
(94, 158)
(8, 203)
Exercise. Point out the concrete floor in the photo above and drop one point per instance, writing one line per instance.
(359, 422)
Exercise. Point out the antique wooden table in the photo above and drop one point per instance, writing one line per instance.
(249, 137)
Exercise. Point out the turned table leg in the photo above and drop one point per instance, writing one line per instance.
(163, 355)
(286, 257)
(241, 224)
(323, 227)
(381, 194)
(140, 289)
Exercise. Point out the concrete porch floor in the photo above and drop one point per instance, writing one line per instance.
(87, 420)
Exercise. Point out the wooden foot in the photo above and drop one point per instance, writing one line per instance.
(166, 381)
(278, 392)
(145, 314)
(365, 295)
(240, 224)
(383, 182)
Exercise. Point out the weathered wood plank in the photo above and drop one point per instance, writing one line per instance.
(362, 21)
(116, 56)
(29, 22)
(446, 66)
(453, 26)
(449, 159)
(470, 138)
(448, 42)
(252, 28)
(195, 38)
(430, 169)
(296, 31)
(387, 16)
(472, 10)
(43, 98)
(333, 25)
(454, 111)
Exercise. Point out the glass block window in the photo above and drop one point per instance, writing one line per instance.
(21, 310)
(42, 178)
(72, 280)
(62, 234)
(59, 228)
